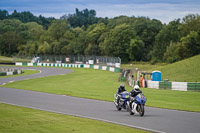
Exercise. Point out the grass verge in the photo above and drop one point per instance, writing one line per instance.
(187, 70)
(4, 59)
(170, 99)
(101, 85)
(25, 72)
(14, 119)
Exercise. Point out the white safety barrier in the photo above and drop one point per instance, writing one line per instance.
(104, 67)
(39, 64)
(30, 64)
(96, 66)
(112, 69)
(180, 86)
(18, 63)
(153, 84)
(9, 73)
(19, 71)
(86, 66)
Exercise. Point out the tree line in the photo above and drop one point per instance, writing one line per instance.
(82, 33)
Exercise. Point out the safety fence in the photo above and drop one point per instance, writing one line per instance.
(100, 67)
(167, 85)
(9, 71)
(73, 59)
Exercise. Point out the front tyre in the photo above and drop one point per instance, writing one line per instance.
(141, 111)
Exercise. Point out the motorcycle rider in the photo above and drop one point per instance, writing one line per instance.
(133, 93)
(119, 91)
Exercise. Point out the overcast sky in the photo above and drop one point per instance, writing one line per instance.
(163, 10)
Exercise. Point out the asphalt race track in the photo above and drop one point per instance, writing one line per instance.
(43, 73)
(154, 119)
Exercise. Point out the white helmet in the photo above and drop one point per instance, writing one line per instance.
(136, 88)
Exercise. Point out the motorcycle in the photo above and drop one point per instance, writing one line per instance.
(136, 104)
(123, 99)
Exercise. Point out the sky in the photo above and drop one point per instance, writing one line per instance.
(163, 10)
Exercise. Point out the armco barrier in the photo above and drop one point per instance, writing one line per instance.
(193, 86)
(112, 69)
(165, 85)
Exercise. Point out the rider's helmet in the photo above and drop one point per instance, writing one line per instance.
(136, 88)
(122, 86)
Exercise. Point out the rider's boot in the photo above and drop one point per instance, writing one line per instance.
(117, 101)
(134, 105)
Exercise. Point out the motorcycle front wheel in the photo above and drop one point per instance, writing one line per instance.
(141, 110)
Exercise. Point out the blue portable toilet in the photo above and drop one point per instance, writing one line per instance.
(156, 76)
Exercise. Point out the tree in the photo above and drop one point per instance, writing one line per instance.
(81, 18)
(170, 33)
(190, 45)
(171, 55)
(12, 33)
(190, 23)
(3, 14)
(58, 28)
(9, 42)
(34, 30)
(147, 30)
(118, 41)
(136, 49)
(94, 38)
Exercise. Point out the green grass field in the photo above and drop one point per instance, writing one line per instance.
(4, 59)
(14, 119)
(25, 72)
(142, 66)
(187, 70)
(101, 85)
(169, 99)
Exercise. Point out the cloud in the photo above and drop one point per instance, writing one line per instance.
(165, 11)
(161, 11)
